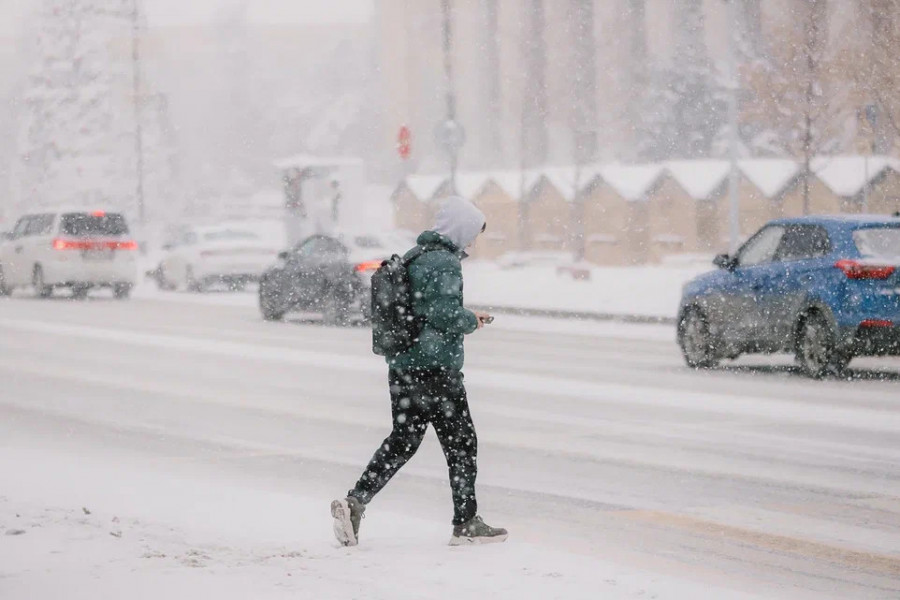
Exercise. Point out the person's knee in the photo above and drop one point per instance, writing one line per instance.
(404, 440)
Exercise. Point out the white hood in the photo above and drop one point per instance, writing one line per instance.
(459, 220)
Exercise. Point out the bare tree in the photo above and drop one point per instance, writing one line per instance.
(583, 115)
(534, 106)
(633, 86)
(583, 81)
(815, 34)
(689, 39)
(72, 147)
(798, 94)
(873, 62)
(493, 84)
(682, 110)
(534, 143)
(749, 17)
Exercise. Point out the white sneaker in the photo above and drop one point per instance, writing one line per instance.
(347, 513)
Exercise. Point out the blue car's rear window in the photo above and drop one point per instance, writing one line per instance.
(878, 242)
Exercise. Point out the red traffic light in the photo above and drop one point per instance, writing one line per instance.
(404, 142)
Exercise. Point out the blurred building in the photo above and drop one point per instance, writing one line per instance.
(569, 81)
(641, 213)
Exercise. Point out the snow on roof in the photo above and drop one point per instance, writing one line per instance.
(567, 180)
(699, 178)
(846, 175)
(470, 184)
(532, 177)
(511, 182)
(424, 187)
(632, 182)
(770, 175)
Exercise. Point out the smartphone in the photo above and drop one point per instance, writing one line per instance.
(487, 320)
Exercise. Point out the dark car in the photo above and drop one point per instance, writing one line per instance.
(823, 288)
(328, 275)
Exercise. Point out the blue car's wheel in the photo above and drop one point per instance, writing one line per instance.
(816, 347)
(696, 340)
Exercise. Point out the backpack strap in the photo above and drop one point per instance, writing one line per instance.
(416, 253)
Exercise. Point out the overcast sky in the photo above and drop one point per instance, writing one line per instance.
(189, 12)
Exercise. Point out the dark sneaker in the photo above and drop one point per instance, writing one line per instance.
(347, 514)
(476, 531)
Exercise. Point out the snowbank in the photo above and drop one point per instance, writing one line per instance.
(649, 291)
(652, 291)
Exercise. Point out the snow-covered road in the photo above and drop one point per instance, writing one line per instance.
(216, 441)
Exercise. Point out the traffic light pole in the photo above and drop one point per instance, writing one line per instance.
(452, 150)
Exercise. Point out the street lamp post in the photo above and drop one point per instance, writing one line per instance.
(450, 133)
(138, 132)
(733, 199)
(871, 112)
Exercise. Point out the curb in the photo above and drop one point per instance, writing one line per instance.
(577, 315)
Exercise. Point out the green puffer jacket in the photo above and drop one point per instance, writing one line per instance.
(437, 287)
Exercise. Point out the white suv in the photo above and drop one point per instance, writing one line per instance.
(75, 249)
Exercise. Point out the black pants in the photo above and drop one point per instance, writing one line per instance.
(420, 397)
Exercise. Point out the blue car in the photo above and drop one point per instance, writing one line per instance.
(825, 289)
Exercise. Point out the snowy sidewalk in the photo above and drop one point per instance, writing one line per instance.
(95, 528)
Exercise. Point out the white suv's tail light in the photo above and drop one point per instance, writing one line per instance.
(68, 244)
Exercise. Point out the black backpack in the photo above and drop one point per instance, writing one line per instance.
(395, 328)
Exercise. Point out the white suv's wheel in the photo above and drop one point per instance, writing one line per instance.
(161, 281)
(191, 283)
(40, 287)
(4, 289)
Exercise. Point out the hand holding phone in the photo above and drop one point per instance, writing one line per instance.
(483, 318)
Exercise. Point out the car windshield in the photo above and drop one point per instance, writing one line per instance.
(229, 235)
(93, 224)
(878, 242)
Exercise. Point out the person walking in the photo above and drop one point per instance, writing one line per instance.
(426, 381)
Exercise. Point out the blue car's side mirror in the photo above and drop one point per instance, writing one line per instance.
(723, 261)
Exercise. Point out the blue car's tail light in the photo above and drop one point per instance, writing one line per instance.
(855, 269)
